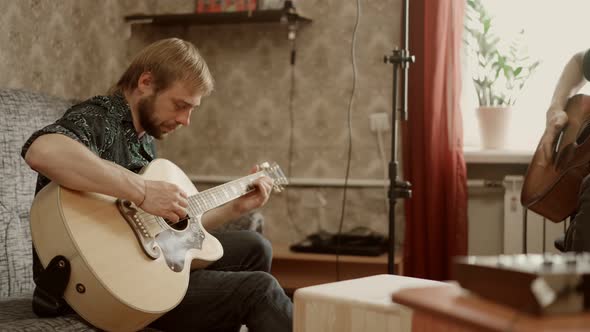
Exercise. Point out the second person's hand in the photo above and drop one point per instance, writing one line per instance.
(556, 121)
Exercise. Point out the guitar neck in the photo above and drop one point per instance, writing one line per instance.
(217, 196)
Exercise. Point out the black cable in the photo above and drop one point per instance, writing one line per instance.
(292, 32)
(350, 102)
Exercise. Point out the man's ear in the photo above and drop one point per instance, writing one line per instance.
(145, 83)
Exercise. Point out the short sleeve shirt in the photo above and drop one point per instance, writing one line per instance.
(105, 126)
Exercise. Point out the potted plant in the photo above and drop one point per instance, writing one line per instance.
(500, 69)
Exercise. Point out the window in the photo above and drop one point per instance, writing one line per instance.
(554, 31)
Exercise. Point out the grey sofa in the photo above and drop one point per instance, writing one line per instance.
(21, 113)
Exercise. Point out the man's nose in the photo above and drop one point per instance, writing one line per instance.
(184, 119)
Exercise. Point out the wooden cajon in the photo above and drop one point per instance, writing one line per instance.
(362, 304)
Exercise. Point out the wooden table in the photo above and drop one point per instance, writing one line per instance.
(294, 270)
(451, 308)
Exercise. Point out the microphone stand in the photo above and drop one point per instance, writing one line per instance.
(397, 188)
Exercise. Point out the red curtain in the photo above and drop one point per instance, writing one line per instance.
(436, 215)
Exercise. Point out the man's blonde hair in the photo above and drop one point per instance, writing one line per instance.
(168, 60)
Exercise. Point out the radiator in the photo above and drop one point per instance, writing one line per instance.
(540, 232)
(496, 220)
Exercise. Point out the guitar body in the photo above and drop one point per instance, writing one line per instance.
(551, 188)
(114, 283)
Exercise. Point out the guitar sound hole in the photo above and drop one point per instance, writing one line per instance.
(182, 224)
(584, 134)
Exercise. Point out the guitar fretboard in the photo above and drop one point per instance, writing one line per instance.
(217, 196)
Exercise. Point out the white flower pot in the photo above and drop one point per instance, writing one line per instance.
(493, 126)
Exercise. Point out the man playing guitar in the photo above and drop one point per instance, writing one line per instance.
(100, 144)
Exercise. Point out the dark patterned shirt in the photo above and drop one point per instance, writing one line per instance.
(103, 124)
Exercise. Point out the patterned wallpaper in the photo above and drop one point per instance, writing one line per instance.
(68, 48)
(78, 48)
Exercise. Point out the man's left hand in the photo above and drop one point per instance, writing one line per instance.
(254, 199)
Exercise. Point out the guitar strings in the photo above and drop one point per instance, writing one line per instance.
(152, 219)
(203, 201)
(194, 205)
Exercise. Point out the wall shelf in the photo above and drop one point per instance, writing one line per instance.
(256, 16)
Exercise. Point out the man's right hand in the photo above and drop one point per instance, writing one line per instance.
(556, 121)
(164, 199)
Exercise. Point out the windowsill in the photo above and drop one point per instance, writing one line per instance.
(474, 155)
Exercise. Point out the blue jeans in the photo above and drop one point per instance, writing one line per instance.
(235, 290)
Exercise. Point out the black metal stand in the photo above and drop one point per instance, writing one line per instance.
(397, 188)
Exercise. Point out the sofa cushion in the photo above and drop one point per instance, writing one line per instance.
(16, 314)
(23, 112)
(15, 254)
(65, 323)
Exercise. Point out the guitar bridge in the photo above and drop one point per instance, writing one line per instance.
(146, 241)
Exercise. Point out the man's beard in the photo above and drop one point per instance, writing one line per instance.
(147, 120)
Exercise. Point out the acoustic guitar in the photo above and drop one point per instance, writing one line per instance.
(552, 185)
(538, 284)
(129, 267)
